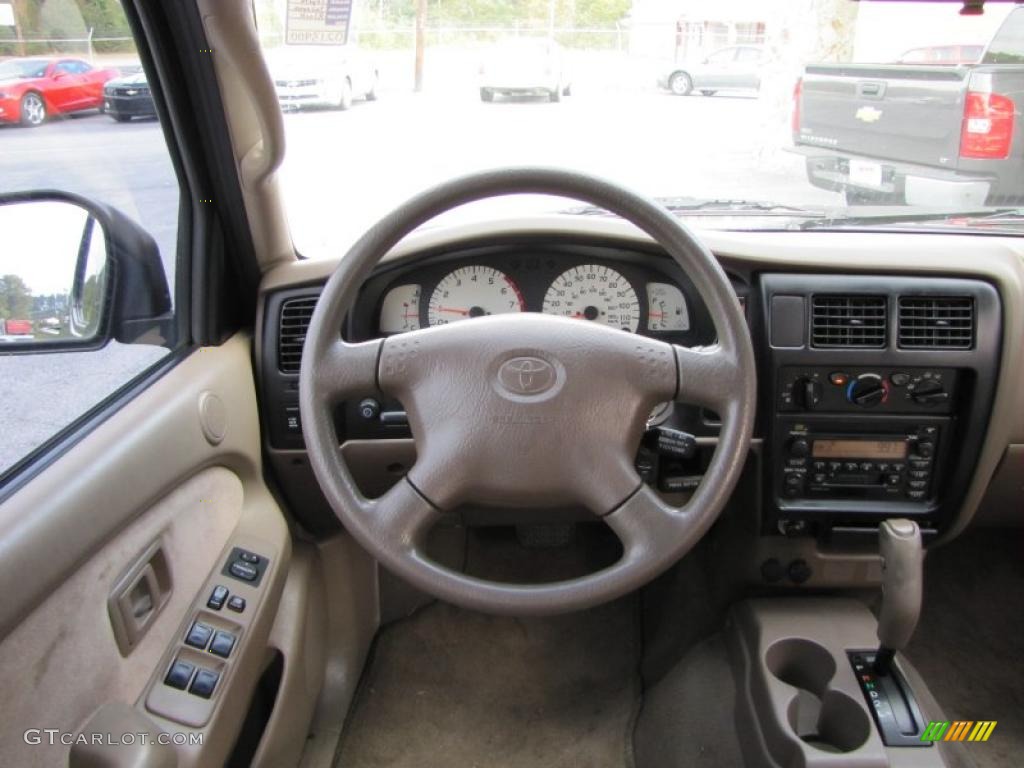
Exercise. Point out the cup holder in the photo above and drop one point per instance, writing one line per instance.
(823, 718)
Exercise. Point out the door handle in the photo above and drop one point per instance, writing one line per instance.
(138, 597)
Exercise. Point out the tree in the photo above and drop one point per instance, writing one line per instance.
(15, 298)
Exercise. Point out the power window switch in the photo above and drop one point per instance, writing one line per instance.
(248, 557)
(179, 675)
(199, 635)
(205, 682)
(236, 604)
(217, 597)
(222, 644)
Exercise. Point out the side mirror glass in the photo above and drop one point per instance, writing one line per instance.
(74, 275)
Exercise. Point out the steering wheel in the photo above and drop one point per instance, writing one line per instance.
(526, 410)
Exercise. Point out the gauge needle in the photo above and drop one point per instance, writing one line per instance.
(453, 310)
(656, 314)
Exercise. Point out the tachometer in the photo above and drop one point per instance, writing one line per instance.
(473, 291)
(666, 308)
(594, 292)
(401, 309)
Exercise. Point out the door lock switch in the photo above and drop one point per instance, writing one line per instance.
(217, 598)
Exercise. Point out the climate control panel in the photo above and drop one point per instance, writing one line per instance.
(882, 390)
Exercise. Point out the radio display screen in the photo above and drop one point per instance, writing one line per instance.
(859, 449)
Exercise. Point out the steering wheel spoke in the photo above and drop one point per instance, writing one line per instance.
(648, 527)
(708, 376)
(400, 518)
(347, 370)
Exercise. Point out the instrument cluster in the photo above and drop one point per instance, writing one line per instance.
(590, 290)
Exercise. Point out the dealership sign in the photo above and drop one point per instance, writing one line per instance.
(318, 22)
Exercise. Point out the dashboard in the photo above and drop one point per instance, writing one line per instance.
(874, 383)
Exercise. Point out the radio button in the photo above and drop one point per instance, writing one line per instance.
(866, 466)
(919, 474)
(835, 466)
(920, 464)
(892, 479)
(915, 495)
(820, 478)
(799, 447)
(917, 484)
(820, 466)
(883, 467)
(850, 466)
(925, 449)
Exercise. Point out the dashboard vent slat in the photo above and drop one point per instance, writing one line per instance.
(936, 322)
(291, 332)
(848, 321)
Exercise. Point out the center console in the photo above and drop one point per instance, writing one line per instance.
(878, 398)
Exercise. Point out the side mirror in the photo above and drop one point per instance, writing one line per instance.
(75, 274)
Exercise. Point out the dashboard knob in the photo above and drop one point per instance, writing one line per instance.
(867, 390)
(799, 447)
(369, 409)
(929, 392)
(807, 393)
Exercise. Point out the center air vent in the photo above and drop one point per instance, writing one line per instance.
(936, 322)
(848, 321)
(292, 326)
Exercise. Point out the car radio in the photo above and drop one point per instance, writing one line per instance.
(891, 462)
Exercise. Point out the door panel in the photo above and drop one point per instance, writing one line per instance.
(156, 470)
(65, 652)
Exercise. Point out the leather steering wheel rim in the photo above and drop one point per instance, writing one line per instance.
(483, 435)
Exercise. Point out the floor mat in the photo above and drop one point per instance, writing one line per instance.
(450, 687)
(969, 644)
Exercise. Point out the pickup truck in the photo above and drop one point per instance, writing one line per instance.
(939, 136)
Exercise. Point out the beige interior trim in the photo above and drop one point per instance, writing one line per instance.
(158, 428)
(254, 121)
(63, 656)
(998, 260)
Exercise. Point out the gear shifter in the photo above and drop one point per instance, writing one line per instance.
(902, 565)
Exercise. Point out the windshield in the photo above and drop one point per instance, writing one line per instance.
(26, 68)
(759, 114)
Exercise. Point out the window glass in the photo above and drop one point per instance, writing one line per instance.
(106, 154)
(722, 57)
(374, 112)
(1007, 46)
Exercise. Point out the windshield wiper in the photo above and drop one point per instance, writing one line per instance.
(718, 207)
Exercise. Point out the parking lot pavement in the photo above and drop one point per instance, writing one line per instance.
(346, 169)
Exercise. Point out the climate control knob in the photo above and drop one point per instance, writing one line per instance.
(867, 390)
(807, 393)
(930, 392)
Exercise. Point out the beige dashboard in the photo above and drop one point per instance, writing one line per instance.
(996, 260)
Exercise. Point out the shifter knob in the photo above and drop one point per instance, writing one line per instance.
(902, 566)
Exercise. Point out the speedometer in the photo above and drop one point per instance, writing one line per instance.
(473, 291)
(594, 292)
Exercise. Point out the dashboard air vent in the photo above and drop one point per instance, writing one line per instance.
(936, 322)
(848, 321)
(294, 320)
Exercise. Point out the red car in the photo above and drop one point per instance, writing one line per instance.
(33, 89)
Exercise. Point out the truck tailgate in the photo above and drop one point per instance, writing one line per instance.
(907, 113)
